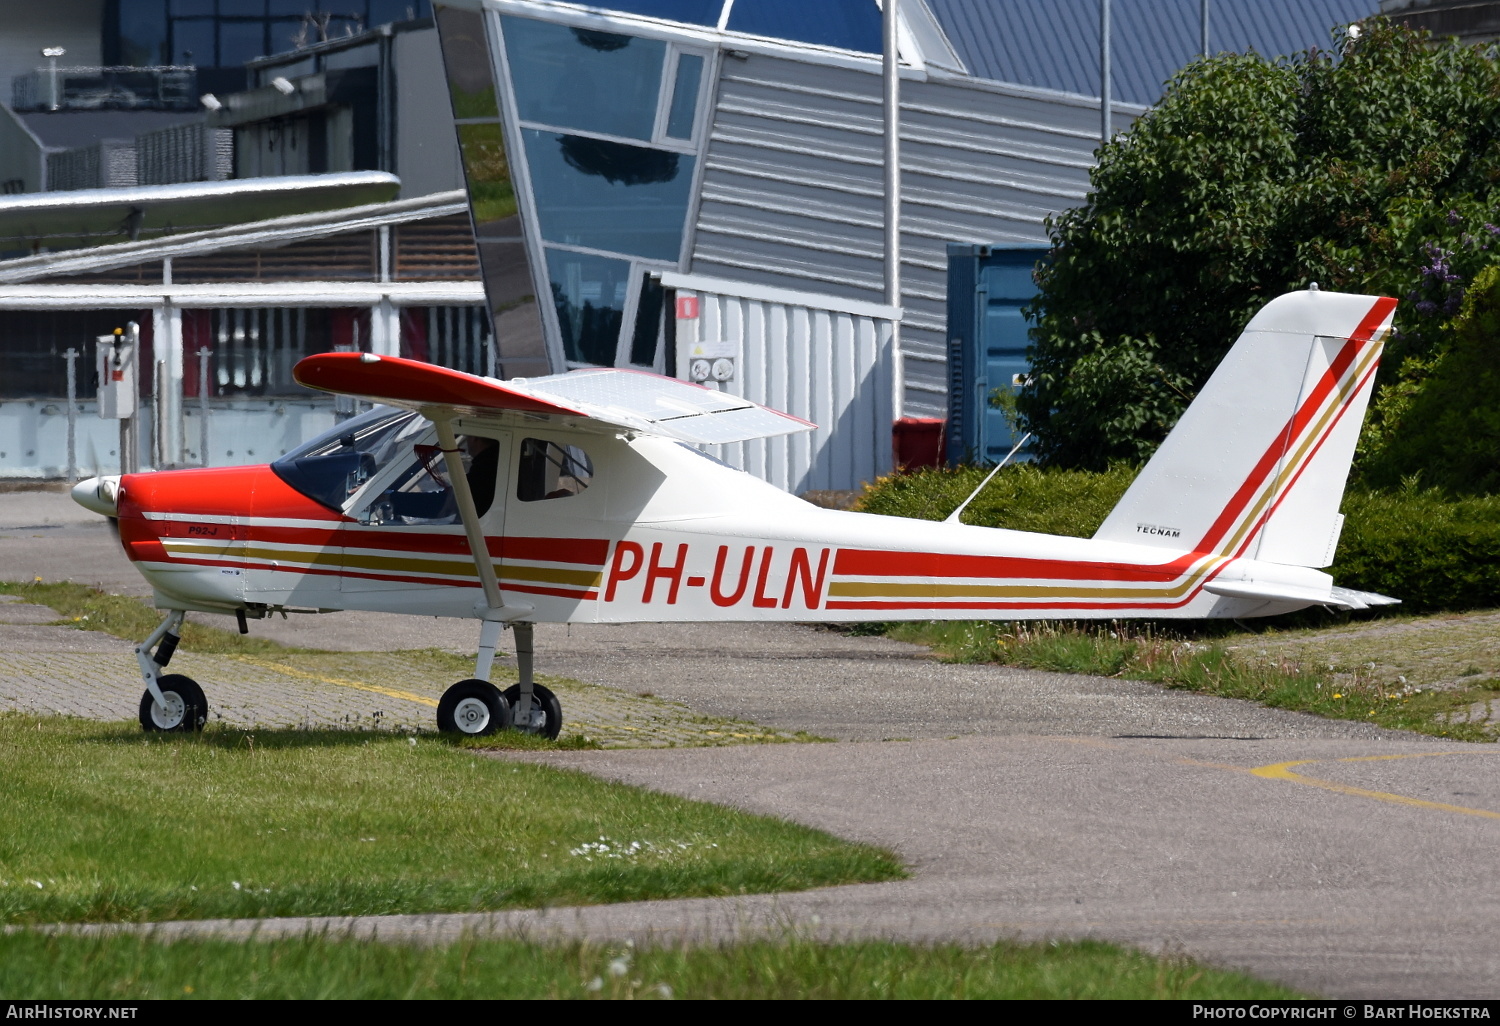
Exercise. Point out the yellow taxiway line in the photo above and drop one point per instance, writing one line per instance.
(406, 696)
(1283, 771)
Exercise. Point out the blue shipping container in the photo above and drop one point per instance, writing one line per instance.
(988, 286)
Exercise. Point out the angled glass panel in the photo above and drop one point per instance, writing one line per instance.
(482, 147)
(608, 195)
(590, 295)
(847, 24)
(684, 96)
(647, 322)
(689, 12)
(466, 58)
(584, 79)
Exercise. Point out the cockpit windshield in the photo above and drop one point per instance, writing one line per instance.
(337, 463)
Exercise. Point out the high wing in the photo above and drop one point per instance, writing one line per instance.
(597, 399)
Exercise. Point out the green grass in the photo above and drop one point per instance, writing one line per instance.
(1206, 664)
(86, 608)
(36, 967)
(105, 823)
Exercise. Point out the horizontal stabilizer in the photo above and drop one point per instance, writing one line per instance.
(615, 399)
(1348, 598)
(1342, 598)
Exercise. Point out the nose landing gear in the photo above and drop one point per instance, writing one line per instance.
(172, 702)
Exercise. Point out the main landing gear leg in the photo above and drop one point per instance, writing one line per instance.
(536, 709)
(172, 702)
(476, 707)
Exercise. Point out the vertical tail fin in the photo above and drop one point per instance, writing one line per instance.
(1256, 467)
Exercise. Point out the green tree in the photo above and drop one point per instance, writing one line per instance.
(1442, 420)
(1371, 168)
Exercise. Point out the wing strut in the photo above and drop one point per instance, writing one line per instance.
(470, 515)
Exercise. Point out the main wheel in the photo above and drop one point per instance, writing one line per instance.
(186, 708)
(546, 711)
(473, 707)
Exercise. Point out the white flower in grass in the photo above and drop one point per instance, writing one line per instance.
(619, 966)
(235, 884)
(595, 985)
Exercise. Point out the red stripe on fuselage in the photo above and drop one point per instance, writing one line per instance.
(877, 563)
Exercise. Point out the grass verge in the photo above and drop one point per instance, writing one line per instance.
(36, 967)
(86, 608)
(105, 823)
(1211, 666)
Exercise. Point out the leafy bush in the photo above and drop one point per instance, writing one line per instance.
(1428, 550)
(1022, 497)
(1374, 170)
(1441, 420)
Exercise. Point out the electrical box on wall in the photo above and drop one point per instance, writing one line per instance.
(712, 362)
(114, 361)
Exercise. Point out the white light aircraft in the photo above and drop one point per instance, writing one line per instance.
(580, 498)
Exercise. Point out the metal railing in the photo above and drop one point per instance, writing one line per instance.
(168, 87)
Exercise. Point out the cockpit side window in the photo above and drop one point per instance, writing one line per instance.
(548, 470)
(337, 463)
(421, 493)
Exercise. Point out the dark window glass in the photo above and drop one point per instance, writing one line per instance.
(252, 350)
(684, 96)
(466, 59)
(590, 295)
(193, 43)
(199, 7)
(691, 12)
(143, 35)
(291, 7)
(449, 336)
(606, 195)
(32, 361)
(241, 41)
(848, 24)
(551, 471)
(580, 78)
(647, 322)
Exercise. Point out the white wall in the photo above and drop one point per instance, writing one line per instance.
(34, 434)
(821, 358)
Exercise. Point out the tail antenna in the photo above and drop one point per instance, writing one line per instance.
(952, 518)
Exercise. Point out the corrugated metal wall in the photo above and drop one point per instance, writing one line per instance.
(815, 357)
(791, 191)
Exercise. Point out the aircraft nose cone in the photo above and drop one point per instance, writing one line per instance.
(100, 494)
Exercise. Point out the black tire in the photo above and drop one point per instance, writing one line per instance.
(472, 708)
(543, 700)
(186, 711)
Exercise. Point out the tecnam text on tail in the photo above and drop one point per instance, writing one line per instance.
(580, 498)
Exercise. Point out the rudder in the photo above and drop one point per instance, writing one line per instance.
(1257, 464)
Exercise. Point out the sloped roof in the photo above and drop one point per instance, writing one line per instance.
(1054, 44)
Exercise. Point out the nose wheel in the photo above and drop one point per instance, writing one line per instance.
(183, 709)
